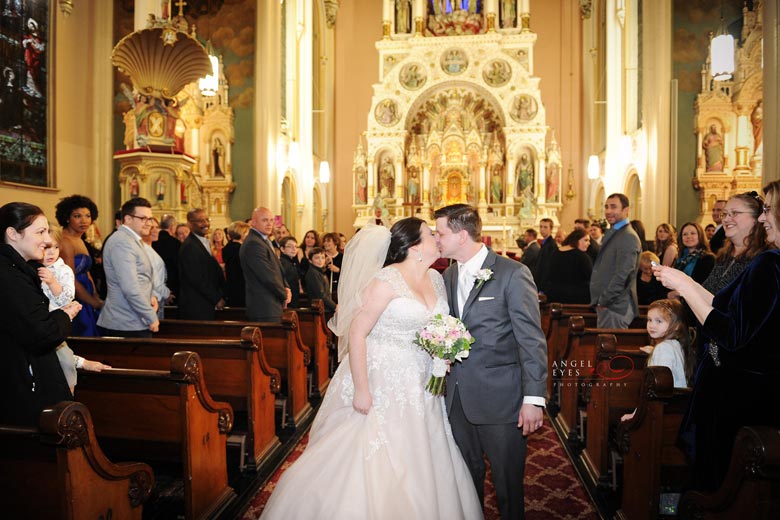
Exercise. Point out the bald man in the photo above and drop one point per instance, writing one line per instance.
(266, 289)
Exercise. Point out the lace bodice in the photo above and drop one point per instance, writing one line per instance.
(405, 315)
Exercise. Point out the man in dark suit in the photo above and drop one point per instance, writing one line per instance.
(613, 281)
(717, 240)
(495, 397)
(531, 250)
(266, 289)
(201, 281)
(547, 248)
(167, 246)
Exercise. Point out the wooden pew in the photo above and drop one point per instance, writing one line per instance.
(283, 346)
(612, 391)
(159, 415)
(235, 371)
(752, 486)
(314, 333)
(648, 443)
(574, 363)
(58, 470)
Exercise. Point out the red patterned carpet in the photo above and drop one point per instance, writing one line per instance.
(552, 490)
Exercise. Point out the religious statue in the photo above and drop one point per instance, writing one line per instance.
(134, 188)
(497, 73)
(525, 176)
(413, 187)
(757, 119)
(713, 150)
(386, 112)
(160, 188)
(403, 16)
(496, 184)
(33, 58)
(553, 179)
(411, 77)
(508, 14)
(361, 194)
(495, 155)
(524, 108)
(386, 177)
(454, 61)
(183, 192)
(217, 153)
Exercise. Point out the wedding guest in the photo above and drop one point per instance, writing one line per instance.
(740, 324)
(709, 231)
(167, 246)
(217, 243)
(182, 232)
(719, 237)
(639, 229)
(665, 246)
(310, 239)
(160, 288)
(570, 270)
(648, 289)
(31, 377)
(331, 243)
(291, 268)
(316, 280)
(75, 214)
(695, 258)
(235, 289)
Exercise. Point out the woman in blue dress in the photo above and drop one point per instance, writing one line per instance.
(75, 214)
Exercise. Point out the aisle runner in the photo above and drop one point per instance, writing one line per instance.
(552, 490)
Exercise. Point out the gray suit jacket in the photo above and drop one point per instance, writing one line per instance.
(265, 286)
(130, 283)
(613, 281)
(508, 360)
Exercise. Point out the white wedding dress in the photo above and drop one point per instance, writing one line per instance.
(397, 462)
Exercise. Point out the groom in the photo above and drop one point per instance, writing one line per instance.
(495, 396)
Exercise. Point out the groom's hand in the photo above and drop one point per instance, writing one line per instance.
(530, 418)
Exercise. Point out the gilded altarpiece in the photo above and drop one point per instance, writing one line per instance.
(458, 117)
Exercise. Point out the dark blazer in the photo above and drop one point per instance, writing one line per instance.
(201, 281)
(292, 276)
(235, 289)
(265, 286)
(593, 250)
(317, 286)
(531, 255)
(29, 335)
(542, 272)
(718, 239)
(168, 249)
(703, 267)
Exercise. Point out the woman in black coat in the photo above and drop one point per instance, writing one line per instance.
(570, 270)
(31, 378)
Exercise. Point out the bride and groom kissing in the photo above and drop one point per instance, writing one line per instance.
(381, 446)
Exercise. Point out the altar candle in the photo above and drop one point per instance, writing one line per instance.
(525, 6)
(386, 6)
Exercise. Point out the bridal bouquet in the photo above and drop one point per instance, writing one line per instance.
(446, 339)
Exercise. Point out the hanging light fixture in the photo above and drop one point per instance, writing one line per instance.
(722, 52)
(210, 84)
(324, 172)
(593, 167)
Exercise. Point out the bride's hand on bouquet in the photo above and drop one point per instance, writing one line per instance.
(362, 401)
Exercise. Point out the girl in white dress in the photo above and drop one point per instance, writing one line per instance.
(381, 446)
(672, 341)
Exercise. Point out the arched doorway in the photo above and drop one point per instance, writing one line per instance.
(634, 193)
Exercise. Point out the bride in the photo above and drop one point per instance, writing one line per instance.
(381, 446)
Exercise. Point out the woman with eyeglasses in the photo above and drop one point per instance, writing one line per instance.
(739, 324)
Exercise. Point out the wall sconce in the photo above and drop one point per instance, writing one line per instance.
(324, 172)
(570, 194)
(594, 168)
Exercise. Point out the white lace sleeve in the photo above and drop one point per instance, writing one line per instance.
(392, 276)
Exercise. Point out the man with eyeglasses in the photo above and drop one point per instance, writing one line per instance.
(130, 309)
(201, 280)
(718, 239)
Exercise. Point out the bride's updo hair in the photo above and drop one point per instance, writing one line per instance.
(404, 234)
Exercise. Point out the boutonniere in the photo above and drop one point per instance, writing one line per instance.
(483, 275)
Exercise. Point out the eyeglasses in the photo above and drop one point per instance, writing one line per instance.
(732, 214)
(145, 220)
